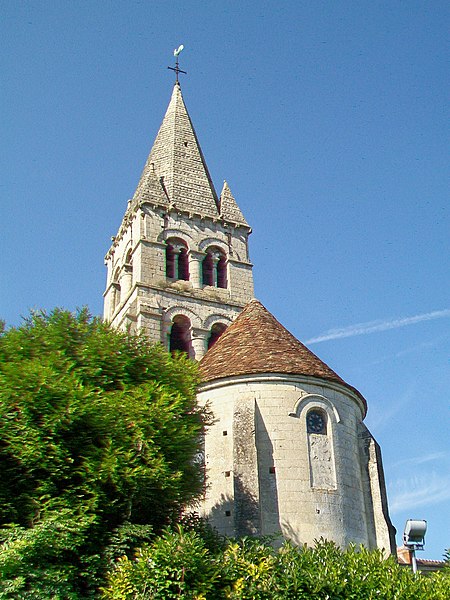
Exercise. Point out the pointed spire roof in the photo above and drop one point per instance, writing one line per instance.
(229, 210)
(177, 163)
(257, 343)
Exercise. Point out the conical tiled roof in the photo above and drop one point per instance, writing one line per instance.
(257, 343)
(177, 162)
(229, 210)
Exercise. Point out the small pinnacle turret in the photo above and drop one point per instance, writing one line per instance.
(229, 210)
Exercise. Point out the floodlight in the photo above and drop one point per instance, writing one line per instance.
(414, 538)
(414, 534)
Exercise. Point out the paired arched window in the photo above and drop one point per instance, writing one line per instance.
(115, 292)
(216, 331)
(180, 335)
(129, 259)
(214, 268)
(177, 260)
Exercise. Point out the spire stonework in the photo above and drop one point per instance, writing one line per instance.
(176, 259)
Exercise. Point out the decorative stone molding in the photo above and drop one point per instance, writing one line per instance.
(306, 401)
(208, 242)
(186, 312)
(217, 318)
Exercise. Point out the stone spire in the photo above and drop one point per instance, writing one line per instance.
(177, 162)
(229, 210)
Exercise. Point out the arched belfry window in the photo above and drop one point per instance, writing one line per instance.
(129, 258)
(216, 331)
(126, 281)
(208, 270)
(222, 271)
(180, 335)
(115, 292)
(177, 260)
(183, 264)
(214, 268)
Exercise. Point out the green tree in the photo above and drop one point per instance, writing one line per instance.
(97, 427)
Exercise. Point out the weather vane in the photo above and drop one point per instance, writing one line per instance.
(176, 68)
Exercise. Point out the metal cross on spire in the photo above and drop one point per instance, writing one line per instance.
(176, 68)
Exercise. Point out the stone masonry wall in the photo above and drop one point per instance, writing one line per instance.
(140, 296)
(290, 501)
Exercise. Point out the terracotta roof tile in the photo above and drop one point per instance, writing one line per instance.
(257, 343)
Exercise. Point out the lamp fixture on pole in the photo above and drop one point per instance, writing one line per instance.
(414, 538)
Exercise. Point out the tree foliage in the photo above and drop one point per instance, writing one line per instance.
(98, 428)
(99, 433)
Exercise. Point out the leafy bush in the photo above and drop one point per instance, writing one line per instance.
(179, 565)
(176, 565)
(49, 560)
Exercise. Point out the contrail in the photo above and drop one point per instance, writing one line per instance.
(374, 326)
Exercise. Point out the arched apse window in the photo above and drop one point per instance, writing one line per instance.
(177, 260)
(316, 421)
(214, 268)
(216, 331)
(180, 335)
(320, 448)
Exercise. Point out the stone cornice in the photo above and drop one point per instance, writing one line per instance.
(286, 378)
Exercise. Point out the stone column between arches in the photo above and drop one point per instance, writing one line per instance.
(199, 342)
(195, 259)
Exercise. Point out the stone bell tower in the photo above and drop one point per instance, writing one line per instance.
(179, 266)
(288, 453)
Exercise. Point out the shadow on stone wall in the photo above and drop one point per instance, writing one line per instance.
(241, 522)
(236, 517)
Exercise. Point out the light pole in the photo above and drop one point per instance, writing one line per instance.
(414, 538)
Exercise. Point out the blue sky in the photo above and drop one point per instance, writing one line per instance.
(329, 122)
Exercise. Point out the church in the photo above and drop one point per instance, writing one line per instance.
(288, 453)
